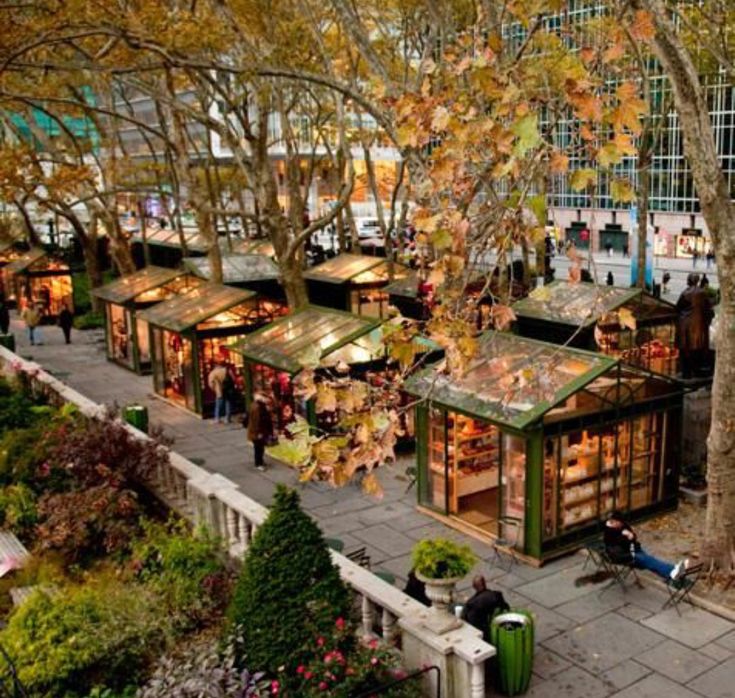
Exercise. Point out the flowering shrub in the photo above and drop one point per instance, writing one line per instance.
(339, 668)
(18, 509)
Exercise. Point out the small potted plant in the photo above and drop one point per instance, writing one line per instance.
(440, 564)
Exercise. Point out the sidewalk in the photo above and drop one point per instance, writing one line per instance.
(589, 645)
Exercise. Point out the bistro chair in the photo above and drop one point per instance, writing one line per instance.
(594, 550)
(509, 531)
(359, 556)
(619, 569)
(680, 589)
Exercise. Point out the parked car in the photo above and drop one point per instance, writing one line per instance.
(368, 228)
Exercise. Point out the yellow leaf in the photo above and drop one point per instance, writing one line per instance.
(621, 190)
(581, 179)
(642, 27)
(609, 155)
(371, 486)
(626, 318)
(559, 163)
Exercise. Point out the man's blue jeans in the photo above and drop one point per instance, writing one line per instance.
(218, 403)
(644, 561)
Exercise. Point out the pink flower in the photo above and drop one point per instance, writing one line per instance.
(323, 686)
(275, 686)
(373, 660)
(340, 623)
(300, 669)
(320, 642)
(373, 644)
(308, 675)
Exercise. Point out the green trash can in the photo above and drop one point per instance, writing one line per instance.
(8, 341)
(137, 415)
(512, 635)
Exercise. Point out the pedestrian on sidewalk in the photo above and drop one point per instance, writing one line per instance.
(610, 279)
(609, 248)
(4, 316)
(695, 258)
(626, 249)
(710, 257)
(260, 427)
(622, 546)
(32, 318)
(66, 322)
(221, 383)
(666, 279)
(695, 316)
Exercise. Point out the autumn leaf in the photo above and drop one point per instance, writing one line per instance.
(371, 486)
(537, 204)
(609, 155)
(621, 190)
(614, 52)
(626, 318)
(581, 179)
(587, 54)
(326, 399)
(527, 134)
(440, 118)
(575, 274)
(559, 163)
(642, 26)
(503, 316)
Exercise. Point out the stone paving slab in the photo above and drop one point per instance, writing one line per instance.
(556, 589)
(718, 682)
(384, 538)
(547, 663)
(604, 642)
(676, 661)
(656, 686)
(716, 652)
(589, 607)
(727, 641)
(693, 628)
(573, 682)
(624, 674)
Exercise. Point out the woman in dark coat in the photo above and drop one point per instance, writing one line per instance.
(66, 322)
(260, 427)
(4, 317)
(695, 315)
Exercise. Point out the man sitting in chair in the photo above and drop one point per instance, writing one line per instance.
(480, 609)
(622, 546)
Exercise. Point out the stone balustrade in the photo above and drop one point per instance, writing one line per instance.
(212, 500)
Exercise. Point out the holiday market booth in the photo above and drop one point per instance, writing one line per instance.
(127, 335)
(538, 443)
(352, 282)
(35, 276)
(338, 344)
(626, 323)
(256, 272)
(190, 333)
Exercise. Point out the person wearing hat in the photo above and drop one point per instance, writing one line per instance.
(260, 427)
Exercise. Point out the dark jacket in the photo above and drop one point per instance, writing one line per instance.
(695, 315)
(416, 589)
(618, 546)
(479, 610)
(260, 424)
(66, 319)
(4, 315)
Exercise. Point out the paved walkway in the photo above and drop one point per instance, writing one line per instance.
(589, 645)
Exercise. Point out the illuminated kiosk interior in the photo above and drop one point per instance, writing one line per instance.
(191, 332)
(545, 440)
(256, 272)
(631, 324)
(37, 276)
(127, 336)
(352, 282)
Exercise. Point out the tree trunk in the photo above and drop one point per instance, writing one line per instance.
(33, 238)
(719, 214)
(644, 165)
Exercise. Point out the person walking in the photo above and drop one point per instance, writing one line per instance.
(626, 249)
(610, 279)
(609, 248)
(32, 318)
(710, 257)
(260, 427)
(66, 322)
(4, 316)
(695, 257)
(223, 386)
(695, 315)
(666, 279)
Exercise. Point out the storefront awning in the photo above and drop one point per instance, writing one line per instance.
(28, 259)
(285, 343)
(579, 305)
(127, 288)
(346, 267)
(236, 268)
(513, 381)
(183, 312)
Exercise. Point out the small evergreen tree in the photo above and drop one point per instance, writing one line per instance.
(289, 592)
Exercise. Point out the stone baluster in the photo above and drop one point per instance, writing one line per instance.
(231, 518)
(477, 681)
(244, 528)
(390, 626)
(368, 615)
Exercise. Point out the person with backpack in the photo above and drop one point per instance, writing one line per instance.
(222, 384)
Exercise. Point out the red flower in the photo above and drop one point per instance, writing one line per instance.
(340, 623)
(300, 669)
(275, 686)
(320, 642)
(323, 685)
(308, 675)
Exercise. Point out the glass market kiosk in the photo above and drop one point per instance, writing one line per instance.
(127, 336)
(189, 333)
(37, 276)
(352, 282)
(254, 271)
(626, 323)
(547, 440)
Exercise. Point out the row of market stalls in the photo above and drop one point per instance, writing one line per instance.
(548, 437)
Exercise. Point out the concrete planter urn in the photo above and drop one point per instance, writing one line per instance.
(441, 595)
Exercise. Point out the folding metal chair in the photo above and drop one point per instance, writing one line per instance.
(359, 556)
(619, 569)
(594, 550)
(509, 530)
(680, 589)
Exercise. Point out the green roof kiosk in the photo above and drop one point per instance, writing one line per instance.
(256, 272)
(126, 334)
(630, 324)
(191, 332)
(546, 441)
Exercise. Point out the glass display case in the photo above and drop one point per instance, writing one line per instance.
(192, 331)
(36, 277)
(127, 335)
(626, 323)
(553, 437)
(354, 283)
